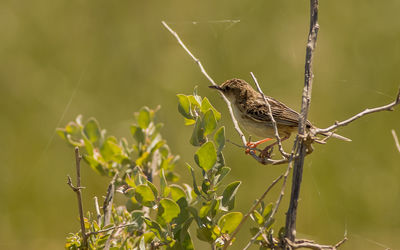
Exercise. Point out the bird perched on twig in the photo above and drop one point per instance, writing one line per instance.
(251, 112)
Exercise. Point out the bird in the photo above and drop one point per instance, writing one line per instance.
(251, 112)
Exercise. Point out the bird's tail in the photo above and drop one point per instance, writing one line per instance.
(337, 136)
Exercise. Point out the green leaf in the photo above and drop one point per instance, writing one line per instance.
(110, 148)
(168, 209)
(228, 196)
(206, 105)
(197, 138)
(153, 188)
(92, 130)
(268, 210)
(94, 164)
(177, 192)
(257, 217)
(224, 171)
(203, 212)
(206, 156)
(189, 122)
(195, 188)
(144, 118)
(229, 222)
(137, 134)
(164, 185)
(72, 128)
(204, 234)
(219, 138)
(154, 227)
(144, 195)
(184, 106)
(209, 122)
(194, 101)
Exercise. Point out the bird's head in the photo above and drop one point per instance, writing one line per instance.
(234, 89)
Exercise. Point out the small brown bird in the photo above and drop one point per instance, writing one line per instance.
(251, 112)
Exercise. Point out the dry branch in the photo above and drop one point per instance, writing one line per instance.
(388, 107)
(305, 105)
(77, 190)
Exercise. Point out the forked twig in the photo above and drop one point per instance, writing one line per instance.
(77, 190)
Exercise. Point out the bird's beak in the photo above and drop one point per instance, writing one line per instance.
(215, 87)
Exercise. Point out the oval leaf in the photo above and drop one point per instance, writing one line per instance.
(168, 210)
(206, 156)
(92, 130)
(144, 195)
(206, 105)
(219, 138)
(144, 118)
(228, 196)
(229, 222)
(209, 122)
(184, 106)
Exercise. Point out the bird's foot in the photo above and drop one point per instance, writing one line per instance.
(250, 146)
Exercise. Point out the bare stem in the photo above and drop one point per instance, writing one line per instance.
(227, 244)
(396, 140)
(110, 228)
(77, 190)
(278, 138)
(278, 201)
(388, 107)
(305, 105)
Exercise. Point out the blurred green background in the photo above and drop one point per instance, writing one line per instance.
(108, 58)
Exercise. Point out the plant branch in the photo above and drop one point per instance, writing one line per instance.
(305, 105)
(278, 201)
(396, 140)
(108, 201)
(227, 244)
(388, 107)
(77, 190)
(312, 245)
(278, 138)
(110, 228)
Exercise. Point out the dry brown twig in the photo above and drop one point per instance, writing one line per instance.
(77, 190)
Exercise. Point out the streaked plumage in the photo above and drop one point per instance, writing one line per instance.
(251, 111)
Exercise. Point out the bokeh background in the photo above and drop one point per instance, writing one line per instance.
(107, 59)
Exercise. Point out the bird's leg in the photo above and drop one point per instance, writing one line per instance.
(250, 145)
(267, 151)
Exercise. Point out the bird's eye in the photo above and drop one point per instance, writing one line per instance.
(227, 88)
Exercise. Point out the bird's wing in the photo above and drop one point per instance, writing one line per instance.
(282, 114)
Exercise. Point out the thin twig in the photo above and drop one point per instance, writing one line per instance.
(77, 190)
(305, 105)
(388, 107)
(278, 138)
(278, 201)
(226, 245)
(312, 245)
(110, 228)
(96, 205)
(108, 201)
(396, 140)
